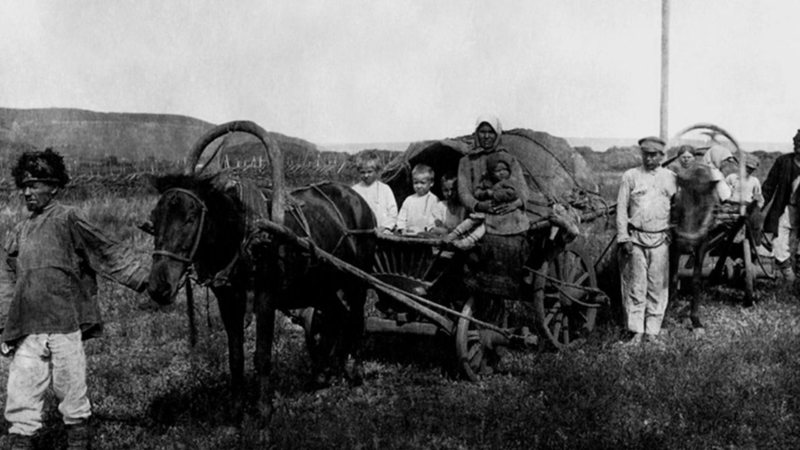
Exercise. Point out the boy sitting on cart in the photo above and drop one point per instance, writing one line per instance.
(422, 209)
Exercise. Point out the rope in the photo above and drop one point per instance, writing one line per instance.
(572, 285)
(190, 313)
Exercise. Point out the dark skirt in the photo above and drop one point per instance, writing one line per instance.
(495, 266)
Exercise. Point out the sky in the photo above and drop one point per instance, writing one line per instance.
(352, 71)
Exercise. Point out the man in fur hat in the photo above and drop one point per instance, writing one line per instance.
(48, 301)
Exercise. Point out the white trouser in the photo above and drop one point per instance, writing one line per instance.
(645, 288)
(38, 360)
(785, 242)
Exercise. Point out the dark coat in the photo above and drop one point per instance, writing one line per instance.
(777, 189)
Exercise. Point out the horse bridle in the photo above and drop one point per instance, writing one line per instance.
(187, 259)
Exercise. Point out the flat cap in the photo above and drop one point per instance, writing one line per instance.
(751, 162)
(652, 144)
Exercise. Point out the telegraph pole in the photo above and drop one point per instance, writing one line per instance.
(664, 69)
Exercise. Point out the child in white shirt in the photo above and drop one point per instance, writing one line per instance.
(421, 210)
(378, 194)
(752, 186)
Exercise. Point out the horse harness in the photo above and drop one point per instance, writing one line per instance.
(221, 278)
(198, 234)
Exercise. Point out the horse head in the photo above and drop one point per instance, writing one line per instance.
(693, 209)
(195, 222)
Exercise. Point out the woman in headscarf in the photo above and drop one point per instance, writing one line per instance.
(718, 157)
(503, 251)
(686, 156)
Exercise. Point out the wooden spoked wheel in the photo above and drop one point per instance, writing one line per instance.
(476, 353)
(561, 320)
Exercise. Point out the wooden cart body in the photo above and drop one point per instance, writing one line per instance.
(559, 298)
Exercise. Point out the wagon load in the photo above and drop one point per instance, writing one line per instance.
(554, 172)
(553, 301)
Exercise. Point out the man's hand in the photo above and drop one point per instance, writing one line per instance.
(505, 208)
(626, 248)
(484, 207)
(6, 350)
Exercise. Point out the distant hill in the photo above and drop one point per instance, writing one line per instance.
(603, 144)
(357, 147)
(82, 134)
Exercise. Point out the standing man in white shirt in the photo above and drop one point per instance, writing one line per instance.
(643, 210)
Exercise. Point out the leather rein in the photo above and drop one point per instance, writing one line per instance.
(198, 235)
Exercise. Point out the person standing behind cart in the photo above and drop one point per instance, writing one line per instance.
(379, 195)
(720, 159)
(750, 189)
(643, 213)
(500, 256)
(780, 222)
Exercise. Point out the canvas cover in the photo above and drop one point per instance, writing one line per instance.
(554, 171)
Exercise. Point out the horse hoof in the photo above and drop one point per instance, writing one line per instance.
(319, 381)
(265, 412)
(355, 377)
(353, 372)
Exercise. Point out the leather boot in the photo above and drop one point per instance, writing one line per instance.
(20, 442)
(79, 436)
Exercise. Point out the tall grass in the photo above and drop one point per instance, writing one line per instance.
(735, 387)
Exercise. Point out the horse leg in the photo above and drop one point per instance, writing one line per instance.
(265, 330)
(674, 269)
(697, 276)
(232, 307)
(353, 335)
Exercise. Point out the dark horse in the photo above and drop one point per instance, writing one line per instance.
(693, 216)
(210, 222)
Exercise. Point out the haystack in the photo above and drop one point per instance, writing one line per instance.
(554, 171)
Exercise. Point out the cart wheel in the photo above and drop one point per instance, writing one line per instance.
(561, 321)
(476, 357)
(749, 273)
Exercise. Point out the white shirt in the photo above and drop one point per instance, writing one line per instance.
(722, 187)
(419, 213)
(643, 203)
(381, 200)
(752, 189)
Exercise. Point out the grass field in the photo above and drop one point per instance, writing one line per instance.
(735, 387)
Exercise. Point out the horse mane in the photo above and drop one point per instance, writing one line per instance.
(215, 190)
(696, 176)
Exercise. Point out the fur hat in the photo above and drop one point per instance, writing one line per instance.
(751, 162)
(47, 166)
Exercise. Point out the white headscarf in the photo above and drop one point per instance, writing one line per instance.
(716, 155)
(494, 122)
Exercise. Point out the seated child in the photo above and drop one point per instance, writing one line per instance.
(752, 186)
(378, 194)
(454, 210)
(422, 209)
(468, 232)
(494, 187)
